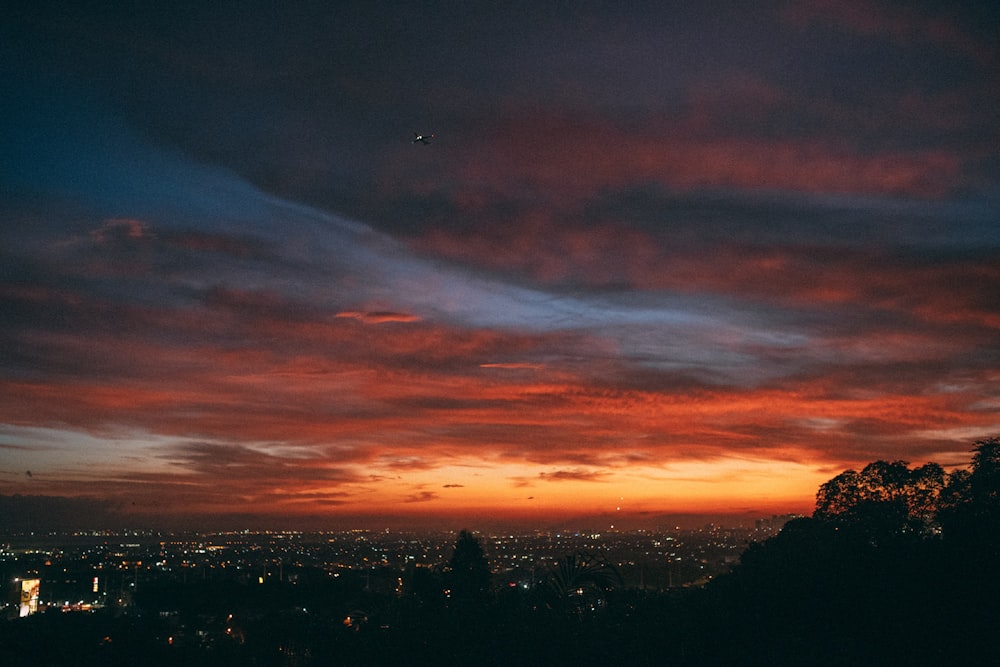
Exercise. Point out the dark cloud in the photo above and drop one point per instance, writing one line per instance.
(572, 475)
(422, 497)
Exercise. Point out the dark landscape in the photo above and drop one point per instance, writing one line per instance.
(897, 565)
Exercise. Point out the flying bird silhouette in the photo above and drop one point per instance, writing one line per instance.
(422, 138)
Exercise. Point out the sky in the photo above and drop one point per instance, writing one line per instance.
(658, 258)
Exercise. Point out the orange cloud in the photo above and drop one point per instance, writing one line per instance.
(378, 317)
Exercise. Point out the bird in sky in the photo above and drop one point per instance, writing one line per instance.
(422, 138)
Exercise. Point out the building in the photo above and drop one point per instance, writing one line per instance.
(29, 596)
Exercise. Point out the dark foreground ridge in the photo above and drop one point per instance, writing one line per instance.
(897, 565)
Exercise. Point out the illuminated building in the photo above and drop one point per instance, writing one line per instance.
(29, 596)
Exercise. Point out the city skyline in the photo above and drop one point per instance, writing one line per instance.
(659, 260)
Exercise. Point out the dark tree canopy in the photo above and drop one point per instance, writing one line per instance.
(985, 478)
(888, 499)
(896, 566)
(468, 569)
(581, 581)
(970, 508)
(914, 492)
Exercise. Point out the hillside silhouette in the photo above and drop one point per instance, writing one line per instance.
(897, 565)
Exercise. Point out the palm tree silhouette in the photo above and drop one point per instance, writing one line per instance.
(581, 581)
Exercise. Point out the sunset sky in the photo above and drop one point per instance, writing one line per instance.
(664, 257)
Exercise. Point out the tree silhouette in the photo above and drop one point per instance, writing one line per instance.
(581, 582)
(970, 512)
(924, 491)
(985, 478)
(893, 560)
(468, 573)
(884, 500)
